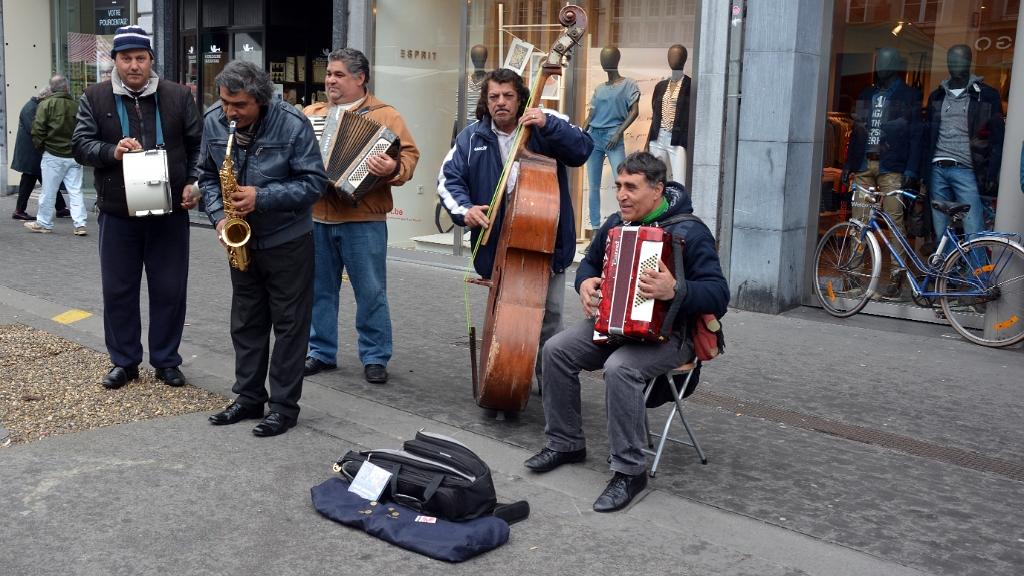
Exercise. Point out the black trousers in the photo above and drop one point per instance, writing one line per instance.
(276, 292)
(160, 245)
(25, 187)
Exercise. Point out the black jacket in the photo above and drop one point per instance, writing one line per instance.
(682, 122)
(984, 125)
(707, 291)
(99, 129)
(26, 157)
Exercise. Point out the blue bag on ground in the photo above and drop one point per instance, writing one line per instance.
(408, 528)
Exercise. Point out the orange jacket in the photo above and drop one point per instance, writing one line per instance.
(376, 204)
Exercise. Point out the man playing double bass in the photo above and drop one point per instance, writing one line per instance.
(645, 199)
(472, 168)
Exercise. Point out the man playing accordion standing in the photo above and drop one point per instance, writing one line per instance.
(351, 236)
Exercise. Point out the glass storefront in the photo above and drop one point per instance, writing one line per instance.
(917, 99)
(290, 43)
(419, 68)
(84, 36)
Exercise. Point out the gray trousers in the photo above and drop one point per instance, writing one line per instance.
(627, 367)
(552, 323)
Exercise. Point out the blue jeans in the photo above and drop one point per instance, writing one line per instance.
(360, 248)
(956, 183)
(595, 166)
(56, 170)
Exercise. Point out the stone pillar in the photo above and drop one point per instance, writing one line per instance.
(709, 115)
(165, 40)
(1010, 202)
(778, 158)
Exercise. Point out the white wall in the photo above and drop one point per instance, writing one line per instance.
(27, 54)
(424, 91)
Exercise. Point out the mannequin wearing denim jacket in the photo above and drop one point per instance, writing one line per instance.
(613, 107)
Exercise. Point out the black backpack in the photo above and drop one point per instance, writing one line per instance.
(433, 474)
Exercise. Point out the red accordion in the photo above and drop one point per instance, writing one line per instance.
(629, 250)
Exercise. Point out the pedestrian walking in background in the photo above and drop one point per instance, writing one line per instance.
(27, 159)
(51, 132)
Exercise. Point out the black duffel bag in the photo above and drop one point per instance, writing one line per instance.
(433, 474)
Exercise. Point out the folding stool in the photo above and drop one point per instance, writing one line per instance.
(677, 408)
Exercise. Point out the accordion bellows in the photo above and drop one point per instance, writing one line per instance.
(629, 250)
(357, 139)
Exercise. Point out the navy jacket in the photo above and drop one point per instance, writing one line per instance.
(283, 162)
(26, 158)
(900, 145)
(707, 291)
(985, 127)
(473, 166)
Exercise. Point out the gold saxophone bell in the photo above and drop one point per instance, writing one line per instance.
(235, 232)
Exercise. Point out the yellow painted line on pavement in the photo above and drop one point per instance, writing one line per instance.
(71, 316)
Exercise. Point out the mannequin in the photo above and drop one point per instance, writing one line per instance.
(613, 107)
(885, 150)
(965, 140)
(671, 105)
(478, 55)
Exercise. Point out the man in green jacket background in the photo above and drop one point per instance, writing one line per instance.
(51, 133)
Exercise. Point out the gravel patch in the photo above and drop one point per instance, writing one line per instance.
(50, 386)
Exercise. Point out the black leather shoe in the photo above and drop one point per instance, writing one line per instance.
(236, 413)
(119, 376)
(171, 376)
(375, 374)
(275, 423)
(64, 213)
(621, 490)
(314, 366)
(547, 459)
(22, 215)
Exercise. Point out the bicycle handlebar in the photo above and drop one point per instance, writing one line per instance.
(873, 196)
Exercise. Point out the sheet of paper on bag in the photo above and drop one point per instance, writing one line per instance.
(370, 481)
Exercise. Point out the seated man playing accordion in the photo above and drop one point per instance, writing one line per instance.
(645, 199)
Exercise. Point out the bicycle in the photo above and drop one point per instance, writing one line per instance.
(981, 276)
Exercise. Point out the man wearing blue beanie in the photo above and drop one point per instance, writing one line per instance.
(134, 111)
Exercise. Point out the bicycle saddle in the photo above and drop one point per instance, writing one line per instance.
(950, 208)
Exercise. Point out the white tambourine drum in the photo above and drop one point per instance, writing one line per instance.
(146, 187)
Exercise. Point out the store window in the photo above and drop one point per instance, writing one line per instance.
(917, 100)
(85, 35)
(636, 35)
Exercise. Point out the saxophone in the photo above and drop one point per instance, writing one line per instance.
(236, 231)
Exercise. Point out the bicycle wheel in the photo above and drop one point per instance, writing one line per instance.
(846, 269)
(992, 316)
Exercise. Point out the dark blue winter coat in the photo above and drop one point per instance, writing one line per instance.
(900, 144)
(707, 291)
(473, 166)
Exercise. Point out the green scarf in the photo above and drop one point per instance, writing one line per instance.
(656, 213)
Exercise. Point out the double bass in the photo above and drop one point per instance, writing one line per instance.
(522, 265)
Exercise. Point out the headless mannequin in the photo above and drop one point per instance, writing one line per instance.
(614, 106)
(671, 106)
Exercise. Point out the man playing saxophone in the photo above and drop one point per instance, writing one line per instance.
(278, 176)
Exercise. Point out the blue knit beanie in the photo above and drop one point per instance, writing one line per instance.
(131, 38)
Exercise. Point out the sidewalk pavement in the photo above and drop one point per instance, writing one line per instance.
(867, 446)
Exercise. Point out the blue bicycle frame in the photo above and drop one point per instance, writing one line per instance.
(930, 271)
